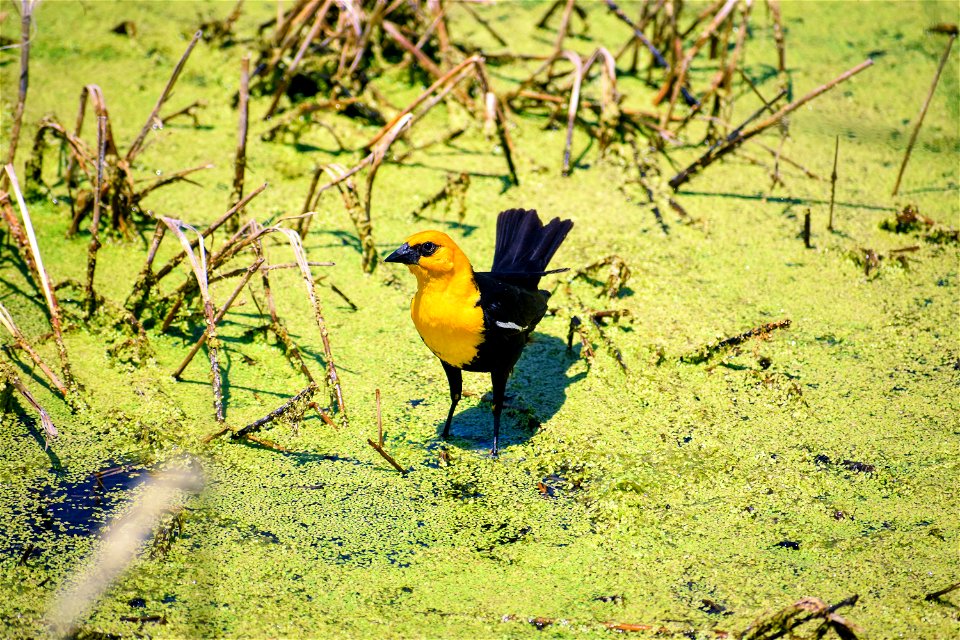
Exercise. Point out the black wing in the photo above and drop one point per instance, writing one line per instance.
(525, 246)
(507, 308)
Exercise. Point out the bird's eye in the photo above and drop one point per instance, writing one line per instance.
(428, 249)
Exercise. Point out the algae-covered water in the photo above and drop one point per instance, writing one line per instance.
(823, 461)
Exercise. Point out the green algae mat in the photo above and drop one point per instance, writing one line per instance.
(661, 476)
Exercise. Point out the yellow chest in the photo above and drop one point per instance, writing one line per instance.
(450, 323)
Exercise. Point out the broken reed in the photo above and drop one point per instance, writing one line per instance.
(709, 351)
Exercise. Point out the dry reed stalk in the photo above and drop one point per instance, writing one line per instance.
(365, 226)
(292, 69)
(240, 159)
(80, 154)
(93, 93)
(243, 238)
(609, 97)
(351, 202)
(146, 279)
(220, 313)
(289, 347)
(379, 420)
(657, 56)
(8, 375)
(495, 105)
(420, 99)
(578, 70)
(26, 16)
(374, 159)
(199, 267)
(833, 180)
(923, 110)
(774, 7)
(734, 142)
(272, 267)
(15, 229)
(680, 76)
(138, 142)
(45, 283)
(428, 65)
(90, 302)
(333, 380)
(177, 259)
(288, 29)
(7, 321)
(564, 28)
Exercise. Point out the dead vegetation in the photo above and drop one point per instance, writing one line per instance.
(321, 58)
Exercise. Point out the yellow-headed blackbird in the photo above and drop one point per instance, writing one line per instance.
(481, 321)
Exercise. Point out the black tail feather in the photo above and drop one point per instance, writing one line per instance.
(525, 245)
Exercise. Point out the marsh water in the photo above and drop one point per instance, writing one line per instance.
(694, 497)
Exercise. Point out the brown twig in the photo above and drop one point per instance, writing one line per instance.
(657, 56)
(680, 76)
(774, 6)
(146, 279)
(291, 70)
(276, 325)
(420, 99)
(272, 267)
(387, 457)
(806, 229)
(8, 375)
(923, 111)
(495, 105)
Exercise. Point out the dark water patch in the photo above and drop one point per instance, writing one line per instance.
(81, 508)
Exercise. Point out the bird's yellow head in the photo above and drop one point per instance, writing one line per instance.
(431, 255)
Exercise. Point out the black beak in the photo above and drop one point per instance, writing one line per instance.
(405, 255)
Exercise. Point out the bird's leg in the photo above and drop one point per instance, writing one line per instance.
(455, 380)
(499, 379)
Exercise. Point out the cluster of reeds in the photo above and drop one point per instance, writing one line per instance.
(319, 57)
(101, 178)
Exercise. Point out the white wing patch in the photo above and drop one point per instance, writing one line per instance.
(509, 325)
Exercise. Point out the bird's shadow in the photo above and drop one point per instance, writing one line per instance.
(535, 392)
